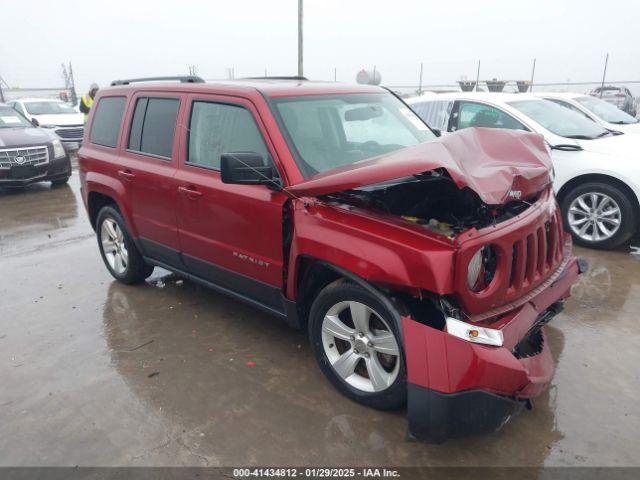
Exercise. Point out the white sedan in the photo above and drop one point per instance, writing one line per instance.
(55, 115)
(601, 112)
(597, 172)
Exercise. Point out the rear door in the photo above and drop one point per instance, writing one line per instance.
(231, 235)
(148, 168)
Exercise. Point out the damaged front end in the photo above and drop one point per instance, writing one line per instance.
(470, 226)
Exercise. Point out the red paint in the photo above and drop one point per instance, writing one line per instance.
(491, 162)
(239, 228)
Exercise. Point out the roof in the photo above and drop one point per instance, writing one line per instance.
(568, 95)
(493, 97)
(38, 99)
(268, 87)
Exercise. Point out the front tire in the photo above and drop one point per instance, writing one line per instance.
(599, 215)
(117, 248)
(357, 345)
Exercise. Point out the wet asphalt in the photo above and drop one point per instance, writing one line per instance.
(96, 373)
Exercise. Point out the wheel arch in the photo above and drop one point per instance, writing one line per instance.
(103, 190)
(600, 177)
(315, 274)
(95, 202)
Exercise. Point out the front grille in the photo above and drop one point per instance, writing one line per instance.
(536, 255)
(70, 133)
(25, 156)
(527, 260)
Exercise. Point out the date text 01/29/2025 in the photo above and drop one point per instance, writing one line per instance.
(315, 472)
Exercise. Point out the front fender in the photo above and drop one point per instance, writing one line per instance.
(379, 252)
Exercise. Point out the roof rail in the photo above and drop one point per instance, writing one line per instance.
(294, 77)
(181, 79)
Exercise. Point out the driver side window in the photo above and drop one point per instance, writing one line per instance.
(471, 114)
(217, 128)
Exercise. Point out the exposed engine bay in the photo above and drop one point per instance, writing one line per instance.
(432, 199)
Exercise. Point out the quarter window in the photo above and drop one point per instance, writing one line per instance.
(217, 128)
(435, 114)
(107, 120)
(153, 126)
(479, 115)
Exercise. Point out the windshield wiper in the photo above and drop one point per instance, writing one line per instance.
(566, 147)
(580, 137)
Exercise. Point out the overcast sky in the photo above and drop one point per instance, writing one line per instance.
(116, 39)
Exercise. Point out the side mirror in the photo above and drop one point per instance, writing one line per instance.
(437, 132)
(35, 122)
(245, 168)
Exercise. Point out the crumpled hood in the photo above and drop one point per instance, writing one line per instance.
(499, 165)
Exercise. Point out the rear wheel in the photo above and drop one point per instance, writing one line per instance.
(119, 252)
(357, 345)
(599, 215)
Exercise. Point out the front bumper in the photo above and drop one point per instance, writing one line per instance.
(54, 169)
(457, 388)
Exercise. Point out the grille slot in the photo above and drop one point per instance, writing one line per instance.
(525, 260)
(30, 156)
(70, 133)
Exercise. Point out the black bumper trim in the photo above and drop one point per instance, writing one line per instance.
(434, 417)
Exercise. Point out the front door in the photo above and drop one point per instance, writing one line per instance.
(230, 235)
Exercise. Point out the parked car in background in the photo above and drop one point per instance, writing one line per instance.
(619, 97)
(597, 180)
(55, 115)
(593, 108)
(29, 154)
(422, 268)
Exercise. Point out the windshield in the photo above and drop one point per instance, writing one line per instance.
(9, 118)
(606, 111)
(48, 108)
(560, 120)
(330, 131)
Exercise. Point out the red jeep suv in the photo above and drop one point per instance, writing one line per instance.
(423, 268)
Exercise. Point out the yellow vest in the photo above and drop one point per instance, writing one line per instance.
(88, 102)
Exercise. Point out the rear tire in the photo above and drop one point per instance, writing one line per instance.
(599, 215)
(363, 358)
(117, 248)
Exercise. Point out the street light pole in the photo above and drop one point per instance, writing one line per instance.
(300, 70)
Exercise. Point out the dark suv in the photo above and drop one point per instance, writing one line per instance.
(424, 269)
(29, 154)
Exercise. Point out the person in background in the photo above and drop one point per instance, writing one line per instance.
(87, 100)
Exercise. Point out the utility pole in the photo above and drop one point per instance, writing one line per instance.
(300, 69)
(69, 83)
(1, 92)
(533, 71)
(420, 83)
(604, 74)
(477, 77)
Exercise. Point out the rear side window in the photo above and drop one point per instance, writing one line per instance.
(217, 128)
(153, 126)
(107, 120)
(435, 113)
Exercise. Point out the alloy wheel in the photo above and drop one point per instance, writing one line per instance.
(113, 246)
(360, 346)
(594, 216)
